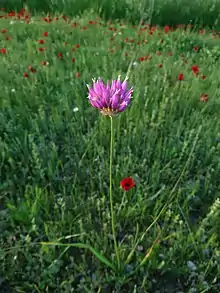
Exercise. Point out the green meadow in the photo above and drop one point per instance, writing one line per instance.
(55, 212)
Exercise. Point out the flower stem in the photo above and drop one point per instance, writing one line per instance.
(110, 196)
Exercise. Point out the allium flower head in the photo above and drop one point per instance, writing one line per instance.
(110, 99)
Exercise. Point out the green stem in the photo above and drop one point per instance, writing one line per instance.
(110, 196)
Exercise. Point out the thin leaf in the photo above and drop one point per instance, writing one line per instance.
(98, 255)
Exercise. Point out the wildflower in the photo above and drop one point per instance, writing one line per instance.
(3, 51)
(111, 100)
(203, 97)
(160, 65)
(166, 29)
(196, 48)
(44, 63)
(45, 34)
(127, 183)
(195, 69)
(26, 75)
(33, 70)
(78, 74)
(134, 63)
(73, 59)
(41, 41)
(203, 77)
(4, 31)
(180, 76)
(60, 55)
(191, 266)
(76, 109)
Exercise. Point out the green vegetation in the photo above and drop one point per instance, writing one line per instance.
(160, 12)
(54, 157)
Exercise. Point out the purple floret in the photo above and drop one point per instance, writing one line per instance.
(111, 100)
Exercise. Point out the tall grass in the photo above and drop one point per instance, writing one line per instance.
(162, 12)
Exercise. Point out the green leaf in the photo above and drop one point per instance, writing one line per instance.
(97, 254)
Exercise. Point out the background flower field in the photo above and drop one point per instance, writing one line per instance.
(54, 147)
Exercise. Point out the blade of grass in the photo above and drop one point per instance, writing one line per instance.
(96, 253)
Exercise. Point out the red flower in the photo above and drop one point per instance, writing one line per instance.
(44, 63)
(73, 59)
(60, 55)
(3, 51)
(41, 41)
(180, 76)
(195, 69)
(4, 31)
(45, 34)
(127, 183)
(33, 70)
(166, 29)
(196, 48)
(26, 75)
(40, 49)
(203, 97)
(160, 65)
(141, 59)
(77, 46)
(78, 74)
(203, 77)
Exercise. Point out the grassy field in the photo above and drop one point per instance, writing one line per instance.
(160, 12)
(54, 157)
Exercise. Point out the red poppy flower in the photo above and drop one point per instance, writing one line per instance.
(3, 51)
(196, 48)
(45, 34)
(78, 74)
(166, 29)
(203, 97)
(60, 55)
(195, 69)
(33, 70)
(160, 65)
(41, 41)
(4, 31)
(203, 77)
(141, 59)
(26, 75)
(73, 59)
(127, 183)
(180, 76)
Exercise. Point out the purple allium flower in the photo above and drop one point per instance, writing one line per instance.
(111, 100)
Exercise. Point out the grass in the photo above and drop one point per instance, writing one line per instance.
(54, 152)
(160, 12)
